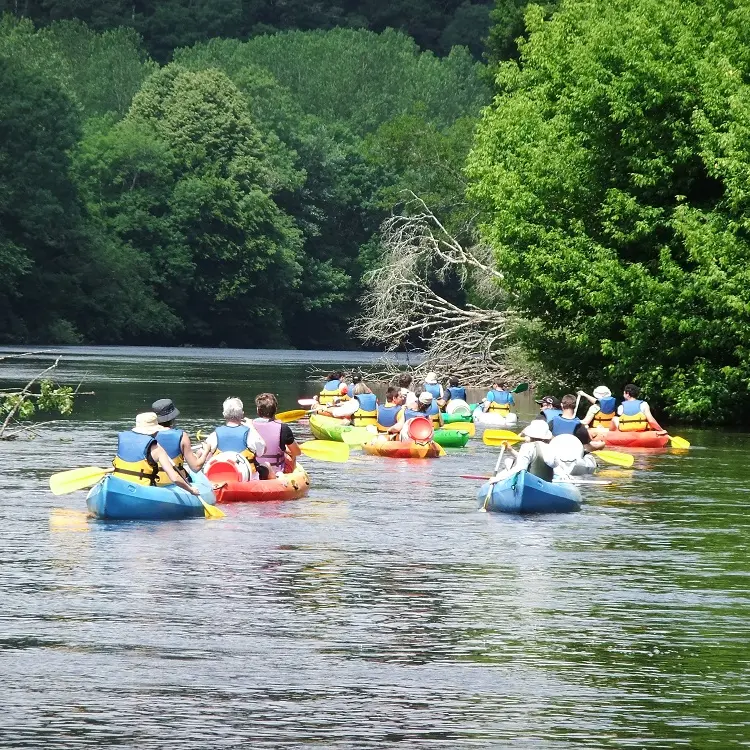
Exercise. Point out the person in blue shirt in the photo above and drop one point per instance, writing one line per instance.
(568, 423)
(550, 407)
(498, 399)
(601, 413)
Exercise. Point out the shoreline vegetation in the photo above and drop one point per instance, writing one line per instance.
(556, 192)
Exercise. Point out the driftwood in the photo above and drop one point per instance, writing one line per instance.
(403, 311)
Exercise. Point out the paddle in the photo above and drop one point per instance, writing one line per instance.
(677, 442)
(498, 437)
(211, 511)
(461, 427)
(326, 450)
(616, 459)
(520, 388)
(358, 435)
(291, 416)
(76, 479)
(494, 472)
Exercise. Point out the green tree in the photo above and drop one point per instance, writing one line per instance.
(612, 168)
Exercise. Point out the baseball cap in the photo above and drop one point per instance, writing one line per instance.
(549, 401)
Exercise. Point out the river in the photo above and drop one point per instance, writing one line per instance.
(383, 609)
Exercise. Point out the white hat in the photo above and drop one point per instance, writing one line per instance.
(146, 423)
(538, 429)
(431, 378)
(425, 397)
(566, 448)
(602, 391)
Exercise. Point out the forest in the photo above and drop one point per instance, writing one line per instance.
(220, 172)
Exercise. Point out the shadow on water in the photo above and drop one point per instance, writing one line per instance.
(383, 608)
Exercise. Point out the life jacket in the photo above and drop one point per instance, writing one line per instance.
(433, 412)
(270, 431)
(564, 425)
(550, 414)
(368, 410)
(387, 416)
(499, 401)
(434, 389)
(170, 440)
(407, 414)
(133, 460)
(234, 439)
(632, 418)
(458, 391)
(603, 418)
(332, 390)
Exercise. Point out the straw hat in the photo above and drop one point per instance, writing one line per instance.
(431, 378)
(602, 391)
(538, 429)
(146, 423)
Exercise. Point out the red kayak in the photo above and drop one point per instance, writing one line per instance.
(285, 487)
(646, 439)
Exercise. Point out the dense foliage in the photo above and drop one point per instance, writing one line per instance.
(613, 167)
(230, 197)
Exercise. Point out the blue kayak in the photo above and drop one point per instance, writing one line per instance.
(525, 493)
(118, 499)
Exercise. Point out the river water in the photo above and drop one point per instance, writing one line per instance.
(383, 609)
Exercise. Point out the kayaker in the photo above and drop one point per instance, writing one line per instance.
(455, 390)
(634, 415)
(404, 383)
(568, 424)
(498, 399)
(568, 457)
(142, 460)
(601, 413)
(550, 407)
(367, 411)
(175, 442)
(239, 436)
(432, 386)
(532, 455)
(424, 409)
(388, 412)
(281, 448)
(333, 389)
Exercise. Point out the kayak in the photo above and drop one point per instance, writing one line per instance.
(646, 439)
(117, 499)
(458, 410)
(524, 493)
(494, 419)
(451, 438)
(286, 487)
(330, 428)
(402, 449)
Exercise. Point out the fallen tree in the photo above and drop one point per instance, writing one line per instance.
(403, 309)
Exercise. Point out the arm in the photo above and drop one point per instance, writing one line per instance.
(288, 441)
(398, 425)
(589, 418)
(591, 399)
(653, 424)
(346, 409)
(195, 463)
(160, 455)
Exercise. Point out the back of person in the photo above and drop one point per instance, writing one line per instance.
(333, 390)
(433, 411)
(458, 392)
(133, 461)
(632, 419)
(270, 431)
(564, 425)
(435, 389)
(233, 439)
(605, 415)
(535, 453)
(387, 416)
(550, 414)
(367, 413)
(499, 401)
(171, 440)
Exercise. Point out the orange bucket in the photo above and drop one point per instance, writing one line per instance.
(420, 429)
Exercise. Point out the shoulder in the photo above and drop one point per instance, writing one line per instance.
(287, 436)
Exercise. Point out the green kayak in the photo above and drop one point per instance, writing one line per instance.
(330, 428)
(451, 438)
(451, 418)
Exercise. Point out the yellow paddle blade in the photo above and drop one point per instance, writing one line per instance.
(498, 437)
(677, 442)
(616, 459)
(76, 479)
(462, 426)
(326, 450)
(211, 511)
(291, 416)
(357, 435)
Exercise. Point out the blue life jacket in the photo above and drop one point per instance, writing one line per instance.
(232, 438)
(367, 401)
(411, 413)
(170, 441)
(132, 446)
(499, 397)
(550, 414)
(632, 407)
(564, 425)
(458, 391)
(387, 416)
(332, 385)
(134, 461)
(607, 405)
(434, 389)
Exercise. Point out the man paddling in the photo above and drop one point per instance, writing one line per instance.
(634, 415)
(176, 442)
(567, 423)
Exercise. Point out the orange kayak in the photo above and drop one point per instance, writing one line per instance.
(646, 439)
(286, 487)
(402, 449)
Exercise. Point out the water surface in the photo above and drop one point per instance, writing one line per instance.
(382, 609)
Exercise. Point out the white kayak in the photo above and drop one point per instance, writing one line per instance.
(494, 419)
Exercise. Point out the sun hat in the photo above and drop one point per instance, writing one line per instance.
(425, 397)
(431, 378)
(602, 391)
(549, 401)
(538, 429)
(567, 448)
(146, 423)
(165, 410)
